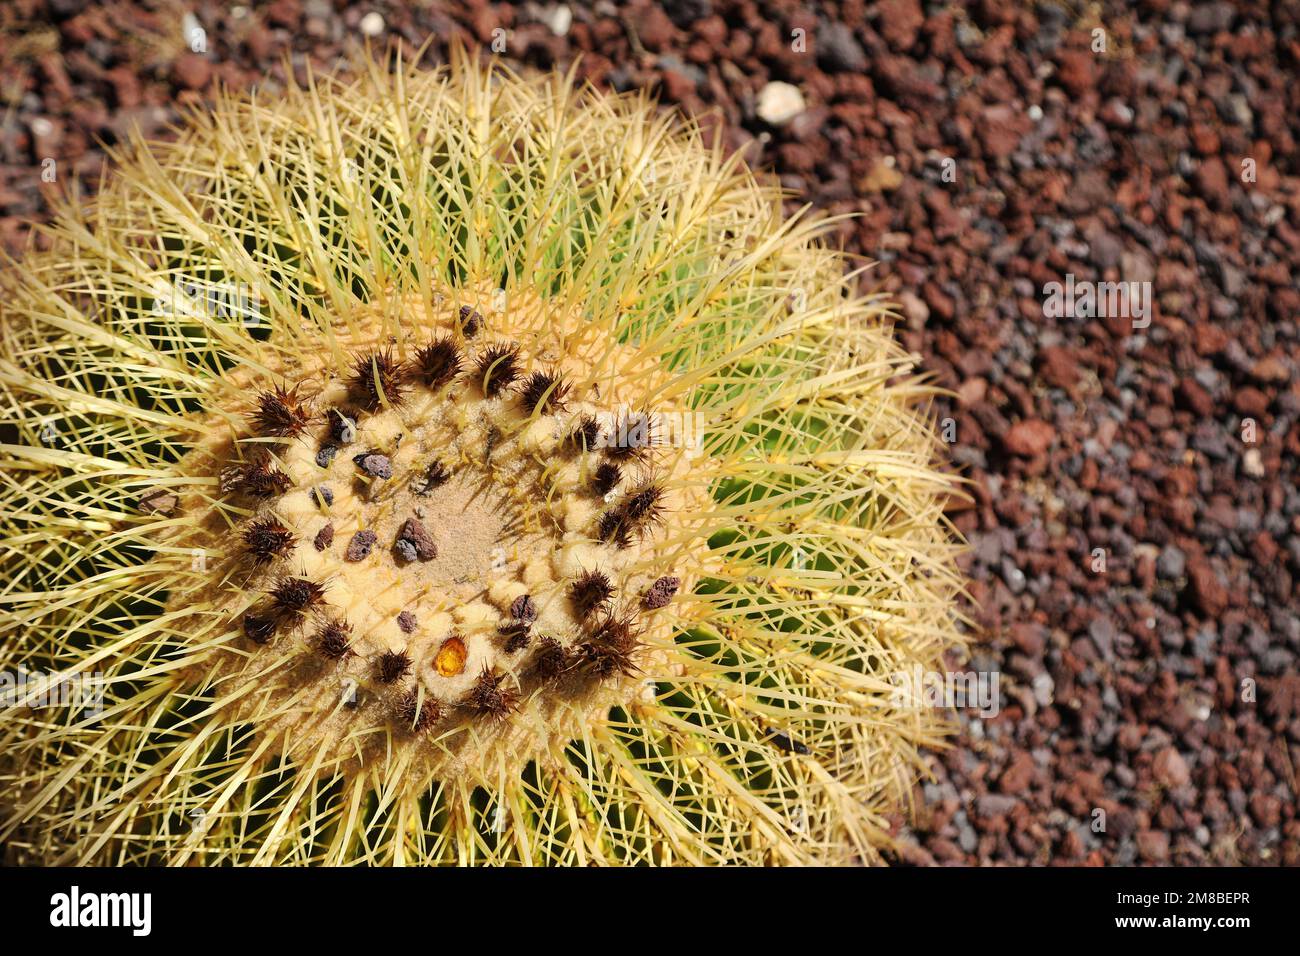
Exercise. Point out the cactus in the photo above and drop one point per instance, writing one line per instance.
(449, 467)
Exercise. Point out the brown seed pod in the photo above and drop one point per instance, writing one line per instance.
(590, 591)
(487, 698)
(523, 612)
(497, 367)
(362, 543)
(420, 544)
(392, 666)
(439, 362)
(266, 539)
(545, 390)
(280, 413)
(523, 609)
(334, 638)
(376, 372)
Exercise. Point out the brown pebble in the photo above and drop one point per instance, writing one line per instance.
(661, 592)
(470, 322)
(414, 531)
(374, 464)
(360, 545)
(324, 537)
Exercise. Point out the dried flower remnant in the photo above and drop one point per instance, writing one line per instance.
(543, 390)
(281, 412)
(610, 647)
(259, 628)
(417, 714)
(590, 592)
(379, 377)
(295, 596)
(333, 639)
(632, 436)
(393, 666)
(488, 698)
(551, 660)
(259, 478)
(497, 368)
(439, 362)
(606, 478)
(267, 539)
(584, 435)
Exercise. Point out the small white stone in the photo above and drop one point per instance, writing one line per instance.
(41, 127)
(1252, 463)
(1035, 112)
(558, 19)
(778, 103)
(372, 24)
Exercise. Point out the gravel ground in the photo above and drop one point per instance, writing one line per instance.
(987, 149)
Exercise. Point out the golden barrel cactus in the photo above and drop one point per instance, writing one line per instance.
(449, 467)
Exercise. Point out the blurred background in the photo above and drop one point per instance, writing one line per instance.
(1135, 523)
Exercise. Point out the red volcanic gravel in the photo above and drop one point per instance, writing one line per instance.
(1135, 528)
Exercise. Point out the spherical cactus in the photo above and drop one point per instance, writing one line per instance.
(447, 467)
